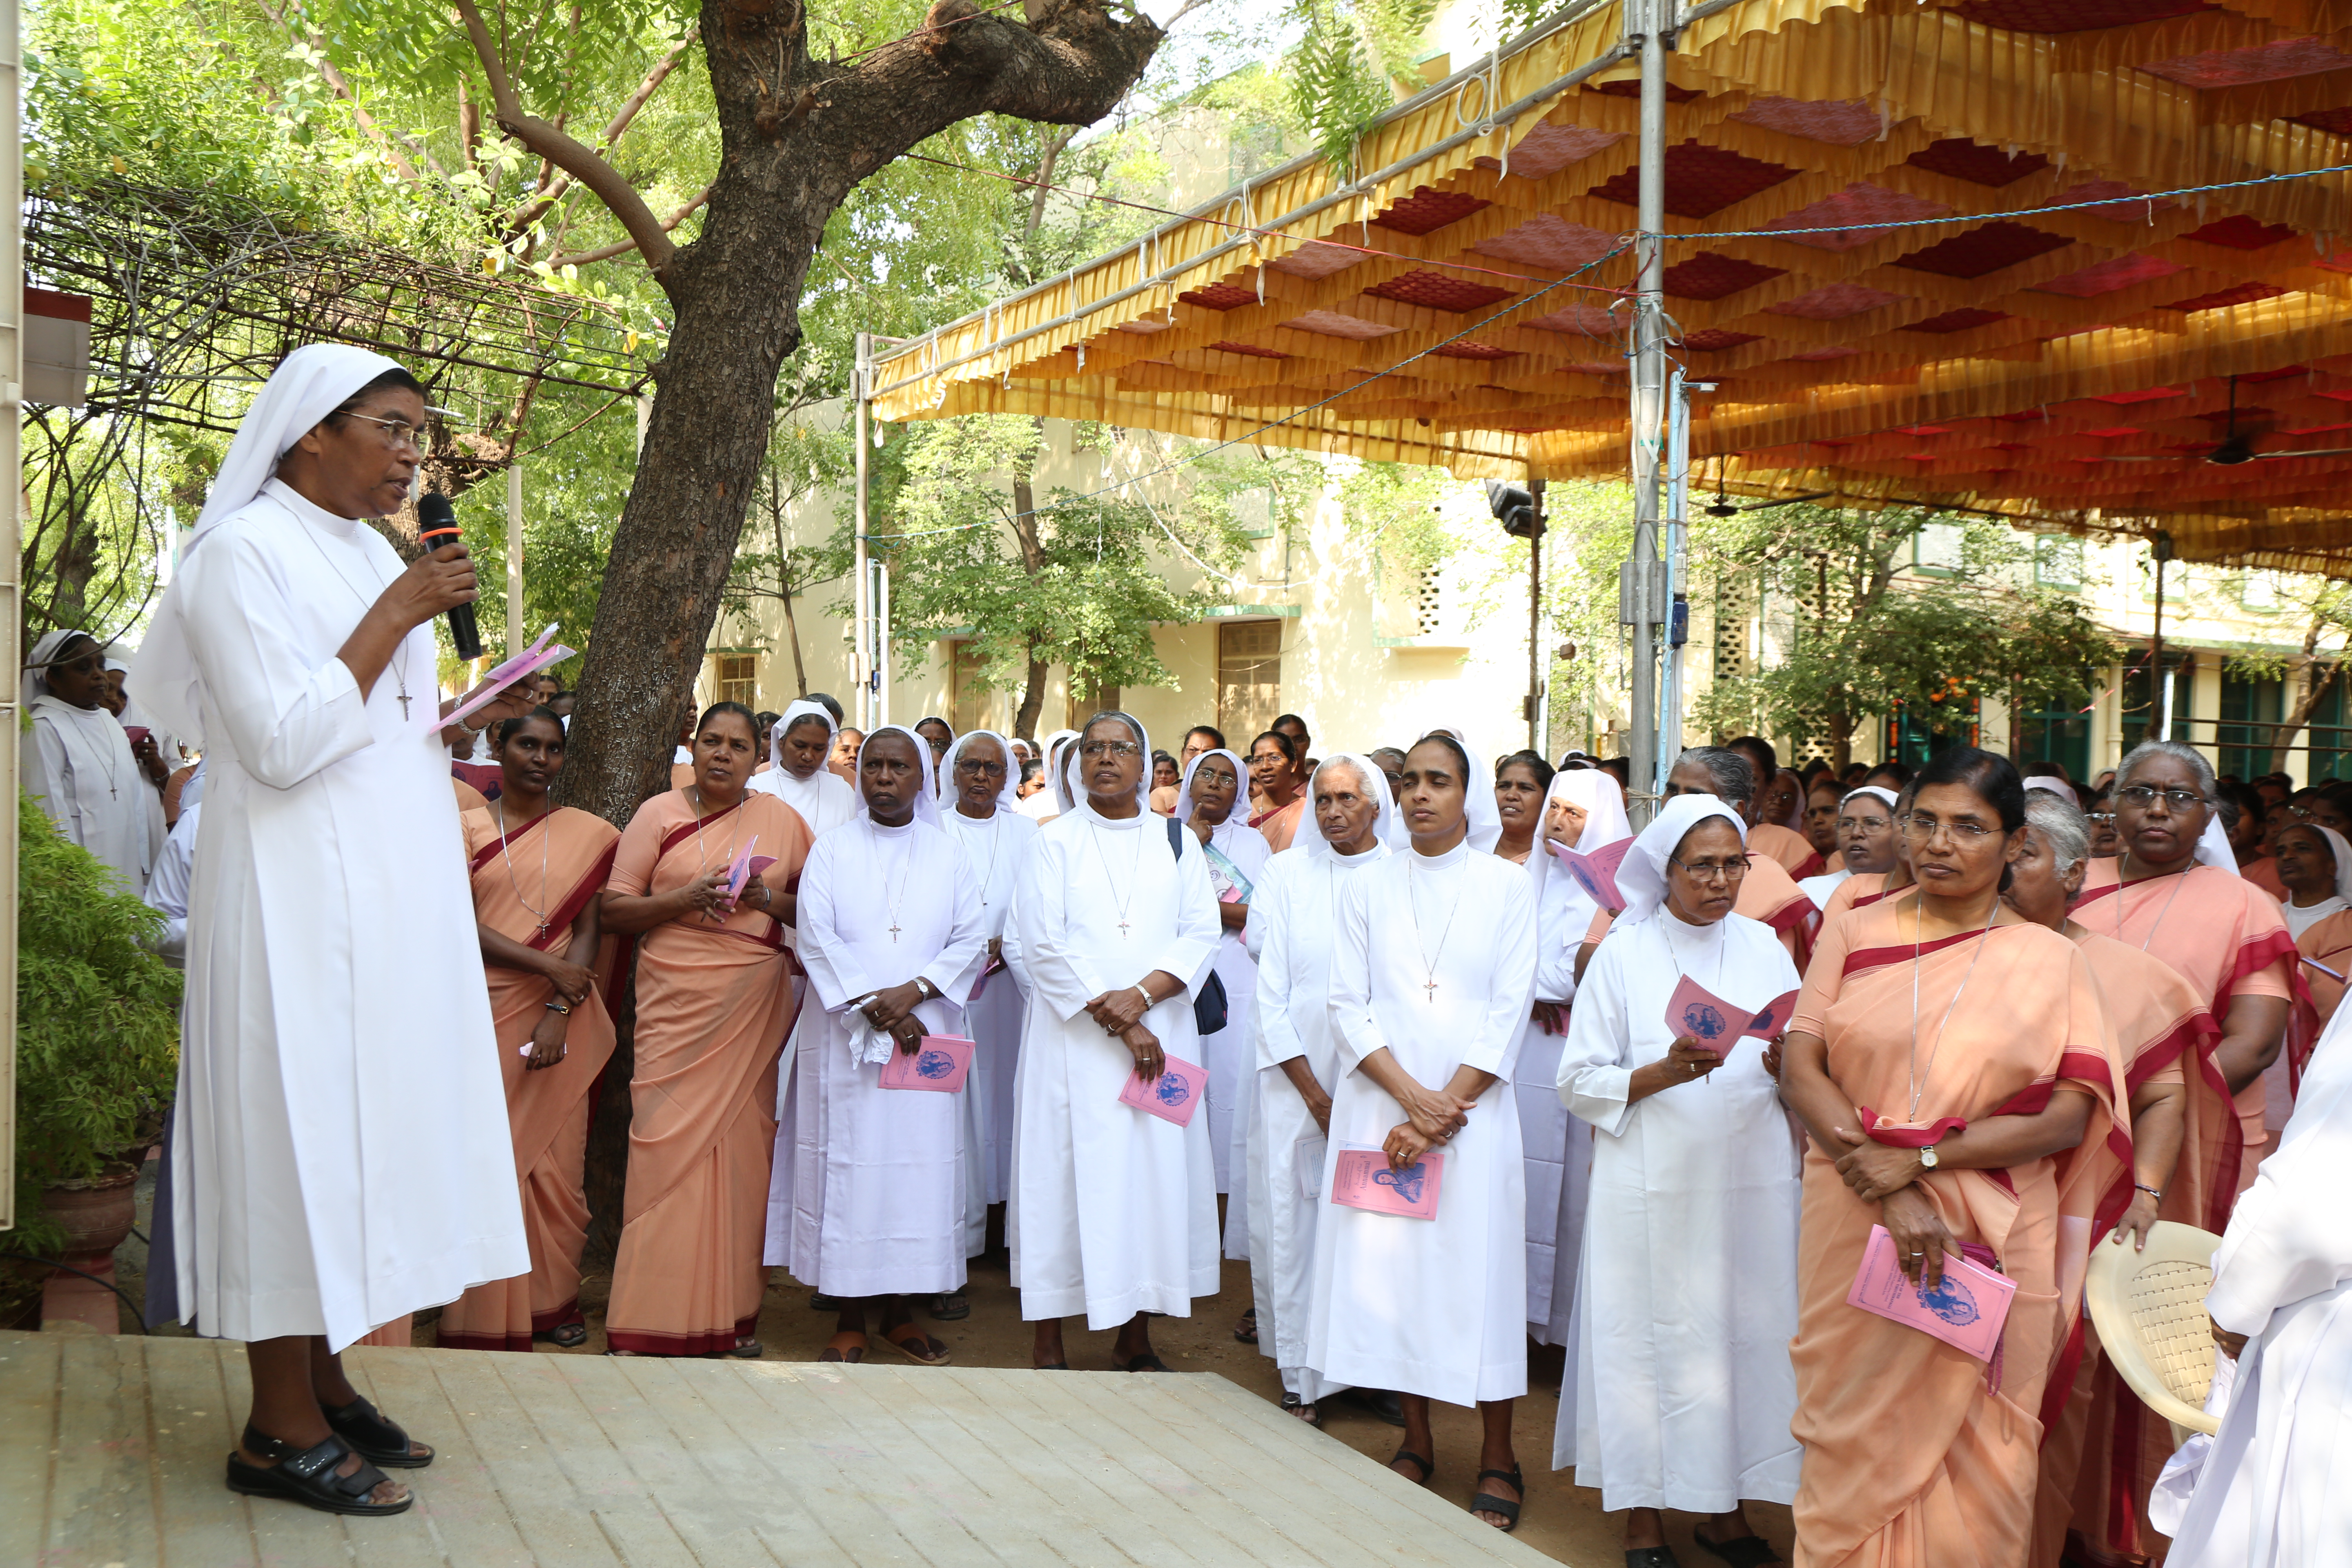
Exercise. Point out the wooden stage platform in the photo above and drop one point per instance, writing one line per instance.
(112, 1448)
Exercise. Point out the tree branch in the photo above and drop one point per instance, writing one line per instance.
(649, 236)
(623, 246)
(548, 195)
(360, 116)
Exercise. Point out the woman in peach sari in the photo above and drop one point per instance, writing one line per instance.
(714, 1005)
(537, 873)
(1944, 1052)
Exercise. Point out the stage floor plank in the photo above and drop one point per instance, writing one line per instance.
(111, 1452)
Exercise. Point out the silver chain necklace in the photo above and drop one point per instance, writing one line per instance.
(2177, 877)
(1428, 963)
(1094, 830)
(399, 652)
(1919, 1078)
(507, 854)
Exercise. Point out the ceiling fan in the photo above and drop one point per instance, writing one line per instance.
(2235, 447)
(1722, 506)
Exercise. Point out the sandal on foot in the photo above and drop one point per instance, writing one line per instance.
(1384, 1402)
(1303, 1410)
(1651, 1557)
(849, 1346)
(1507, 1508)
(373, 1438)
(565, 1336)
(1428, 1471)
(1749, 1551)
(1147, 1362)
(742, 1349)
(821, 1302)
(918, 1346)
(307, 1476)
(950, 1307)
(1245, 1330)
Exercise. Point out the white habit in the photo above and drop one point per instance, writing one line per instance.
(1679, 1391)
(825, 799)
(1431, 1307)
(1114, 1211)
(994, 849)
(1237, 854)
(867, 1197)
(2276, 1491)
(1291, 921)
(79, 769)
(341, 1152)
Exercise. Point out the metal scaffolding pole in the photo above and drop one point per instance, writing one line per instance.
(516, 640)
(1642, 597)
(1678, 556)
(859, 669)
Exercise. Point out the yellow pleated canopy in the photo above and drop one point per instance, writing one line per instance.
(1859, 262)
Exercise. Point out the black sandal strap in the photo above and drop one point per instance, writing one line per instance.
(1506, 1508)
(374, 1436)
(1418, 1462)
(1740, 1550)
(308, 1474)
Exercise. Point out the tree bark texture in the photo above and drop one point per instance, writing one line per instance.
(796, 135)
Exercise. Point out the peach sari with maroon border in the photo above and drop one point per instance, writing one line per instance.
(547, 1110)
(1917, 1454)
(714, 1004)
(2100, 1449)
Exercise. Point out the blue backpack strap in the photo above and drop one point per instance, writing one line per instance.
(1175, 838)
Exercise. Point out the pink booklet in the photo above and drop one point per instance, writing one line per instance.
(939, 1063)
(1173, 1096)
(1965, 1308)
(1696, 1011)
(1362, 1180)
(1596, 873)
(980, 984)
(742, 870)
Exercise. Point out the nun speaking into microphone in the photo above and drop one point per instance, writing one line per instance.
(341, 1156)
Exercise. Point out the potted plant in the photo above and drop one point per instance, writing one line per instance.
(96, 1044)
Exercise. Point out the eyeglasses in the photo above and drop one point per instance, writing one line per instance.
(2144, 795)
(2106, 818)
(397, 433)
(977, 769)
(1712, 870)
(1868, 824)
(1095, 751)
(1923, 828)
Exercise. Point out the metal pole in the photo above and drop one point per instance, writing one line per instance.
(1645, 29)
(516, 640)
(1537, 741)
(882, 642)
(12, 597)
(862, 391)
(1670, 710)
(2161, 681)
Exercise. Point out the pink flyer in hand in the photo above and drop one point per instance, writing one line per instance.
(1696, 1011)
(1596, 873)
(537, 657)
(1965, 1308)
(939, 1063)
(742, 869)
(1173, 1096)
(1362, 1180)
(1774, 1018)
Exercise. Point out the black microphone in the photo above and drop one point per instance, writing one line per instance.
(436, 526)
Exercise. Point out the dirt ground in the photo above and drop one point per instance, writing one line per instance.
(1559, 1519)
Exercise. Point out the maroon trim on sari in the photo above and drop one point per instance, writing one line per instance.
(2093, 895)
(555, 1318)
(1868, 958)
(2199, 1025)
(460, 1340)
(639, 1343)
(1907, 1137)
(1811, 865)
(504, 843)
(685, 830)
(558, 925)
(1864, 901)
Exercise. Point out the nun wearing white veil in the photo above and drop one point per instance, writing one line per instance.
(1679, 1389)
(867, 1199)
(341, 1154)
(1114, 1210)
(1586, 811)
(1237, 854)
(77, 763)
(981, 813)
(797, 748)
(1291, 919)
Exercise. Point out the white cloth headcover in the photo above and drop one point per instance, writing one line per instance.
(1375, 785)
(1795, 821)
(1893, 801)
(1240, 786)
(927, 799)
(2214, 844)
(1605, 822)
(803, 709)
(1642, 878)
(1484, 818)
(45, 654)
(951, 791)
(308, 384)
(2058, 787)
(2342, 851)
(1072, 792)
(1056, 772)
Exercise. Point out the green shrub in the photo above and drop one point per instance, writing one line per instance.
(98, 1022)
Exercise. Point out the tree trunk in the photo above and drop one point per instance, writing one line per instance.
(2282, 735)
(1032, 699)
(784, 586)
(1841, 724)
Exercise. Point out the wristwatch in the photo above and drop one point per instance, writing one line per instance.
(1928, 1156)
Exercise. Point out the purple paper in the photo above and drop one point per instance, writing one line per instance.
(537, 657)
(1173, 1096)
(1596, 873)
(1965, 1310)
(939, 1064)
(740, 870)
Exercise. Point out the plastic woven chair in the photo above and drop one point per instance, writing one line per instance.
(2149, 1310)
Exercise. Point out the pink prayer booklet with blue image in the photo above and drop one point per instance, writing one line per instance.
(1596, 873)
(1173, 1096)
(939, 1063)
(1362, 1179)
(1696, 1011)
(1965, 1308)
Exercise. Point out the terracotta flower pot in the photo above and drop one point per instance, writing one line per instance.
(96, 1214)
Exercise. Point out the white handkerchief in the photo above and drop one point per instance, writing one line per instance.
(1308, 1153)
